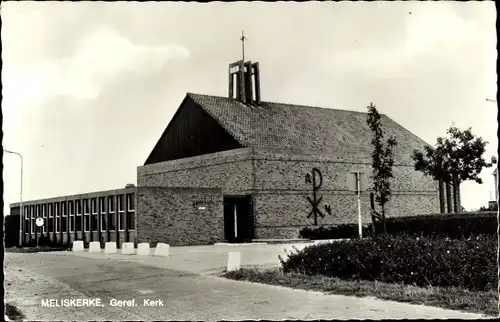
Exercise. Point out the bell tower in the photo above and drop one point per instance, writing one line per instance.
(244, 79)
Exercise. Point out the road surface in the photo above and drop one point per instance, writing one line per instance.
(177, 290)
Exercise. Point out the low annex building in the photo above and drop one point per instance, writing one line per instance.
(238, 168)
(98, 216)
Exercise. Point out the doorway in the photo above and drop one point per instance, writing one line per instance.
(238, 219)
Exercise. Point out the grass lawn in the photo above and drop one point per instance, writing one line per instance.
(34, 249)
(13, 313)
(448, 298)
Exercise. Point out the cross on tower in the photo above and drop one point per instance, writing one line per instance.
(243, 38)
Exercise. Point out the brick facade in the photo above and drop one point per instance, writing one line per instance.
(276, 180)
(180, 216)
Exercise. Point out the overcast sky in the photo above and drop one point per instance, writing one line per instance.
(90, 87)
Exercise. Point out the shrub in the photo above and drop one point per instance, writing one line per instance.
(466, 263)
(456, 225)
(336, 232)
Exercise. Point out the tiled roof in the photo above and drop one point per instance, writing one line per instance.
(277, 125)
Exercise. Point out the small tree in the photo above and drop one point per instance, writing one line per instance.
(456, 158)
(382, 161)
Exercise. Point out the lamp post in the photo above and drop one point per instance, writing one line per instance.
(21, 213)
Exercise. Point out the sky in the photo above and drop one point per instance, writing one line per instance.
(88, 88)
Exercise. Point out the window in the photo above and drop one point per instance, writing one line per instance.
(64, 224)
(131, 220)
(94, 222)
(131, 212)
(111, 204)
(64, 218)
(78, 222)
(37, 212)
(121, 221)
(78, 218)
(130, 202)
(26, 226)
(86, 222)
(101, 205)
(86, 208)
(111, 216)
(51, 210)
(71, 223)
(32, 221)
(44, 216)
(112, 221)
(50, 224)
(94, 205)
(120, 203)
(26, 213)
(121, 213)
(78, 207)
(56, 215)
(71, 207)
(104, 221)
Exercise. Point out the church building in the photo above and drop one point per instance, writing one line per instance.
(264, 170)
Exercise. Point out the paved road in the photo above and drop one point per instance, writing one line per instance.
(185, 294)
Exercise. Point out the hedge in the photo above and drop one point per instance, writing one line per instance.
(335, 232)
(453, 225)
(466, 263)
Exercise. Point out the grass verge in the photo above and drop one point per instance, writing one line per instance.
(13, 313)
(448, 298)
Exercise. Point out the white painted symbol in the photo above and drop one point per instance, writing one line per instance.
(39, 222)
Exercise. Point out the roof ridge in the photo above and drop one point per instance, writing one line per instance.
(287, 104)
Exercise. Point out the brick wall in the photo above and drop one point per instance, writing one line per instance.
(172, 216)
(276, 178)
(281, 205)
(228, 170)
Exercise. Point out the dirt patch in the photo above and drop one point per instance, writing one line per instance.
(25, 289)
(13, 312)
(34, 249)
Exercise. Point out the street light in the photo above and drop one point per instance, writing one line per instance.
(21, 197)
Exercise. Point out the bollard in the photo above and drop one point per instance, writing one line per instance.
(128, 249)
(162, 249)
(233, 261)
(94, 247)
(143, 249)
(78, 246)
(110, 248)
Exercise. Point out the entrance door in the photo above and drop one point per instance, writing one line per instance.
(238, 219)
